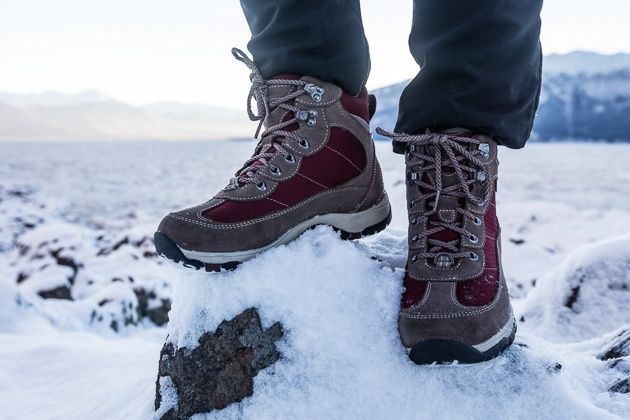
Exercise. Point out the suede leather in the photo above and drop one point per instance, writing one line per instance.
(439, 315)
(192, 230)
(441, 318)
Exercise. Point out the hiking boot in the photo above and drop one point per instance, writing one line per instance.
(314, 165)
(455, 306)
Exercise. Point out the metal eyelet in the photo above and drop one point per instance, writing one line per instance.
(414, 238)
(477, 221)
(316, 92)
(414, 258)
(309, 116)
(473, 239)
(412, 203)
(261, 185)
(304, 144)
(474, 256)
(275, 170)
(413, 221)
(484, 150)
(481, 176)
(289, 158)
(301, 115)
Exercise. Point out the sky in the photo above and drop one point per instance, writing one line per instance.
(146, 51)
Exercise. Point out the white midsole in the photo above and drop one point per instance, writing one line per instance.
(505, 331)
(349, 222)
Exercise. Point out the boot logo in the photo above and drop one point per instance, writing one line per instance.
(443, 260)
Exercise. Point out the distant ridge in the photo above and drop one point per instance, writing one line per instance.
(585, 96)
(91, 115)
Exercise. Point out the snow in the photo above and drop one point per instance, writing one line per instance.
(77, 375)
(82, 215)
(585, 296)
(585, 62)
(342, 357)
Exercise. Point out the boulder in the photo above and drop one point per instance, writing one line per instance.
(219, 371)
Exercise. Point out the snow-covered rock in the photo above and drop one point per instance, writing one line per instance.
(341, 356)
(585, 297)
(89, 278)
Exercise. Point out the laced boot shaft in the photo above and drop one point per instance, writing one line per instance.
(455, 297)
(277, 132)
(449, 179)
(314, 163)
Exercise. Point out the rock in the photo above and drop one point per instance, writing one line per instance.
(157, 314)
(618, 347)
(617, 355)
(61, 292)
(566, 304)
(220, 370)
(66, 261)
(622, 386)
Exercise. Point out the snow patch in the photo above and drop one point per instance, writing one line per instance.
(584, 297)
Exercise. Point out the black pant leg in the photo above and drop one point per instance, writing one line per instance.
(480, 68)
(319, 38)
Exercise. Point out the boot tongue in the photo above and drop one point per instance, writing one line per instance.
(277, 115)
(447, 205)
(274, 92)
(446, 208)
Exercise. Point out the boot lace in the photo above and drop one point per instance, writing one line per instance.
(272, 137)
(435, 152)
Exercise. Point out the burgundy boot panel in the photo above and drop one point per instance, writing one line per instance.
(342, 159)
(295, 190)
(482, 290)
(238, 211)
(414, 291)
(357, 105)
(347, 145)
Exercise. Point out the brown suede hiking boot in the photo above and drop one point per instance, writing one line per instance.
(315, 164)
(455, 306)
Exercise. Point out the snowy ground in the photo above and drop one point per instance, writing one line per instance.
(82, 292)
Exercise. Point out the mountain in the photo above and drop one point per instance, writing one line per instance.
(584, 96)
(585, 62)
(92, 116)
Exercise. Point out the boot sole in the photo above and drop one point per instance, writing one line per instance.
(441, 351)
(350, 226)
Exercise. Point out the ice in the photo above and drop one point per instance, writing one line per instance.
(82, 216)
